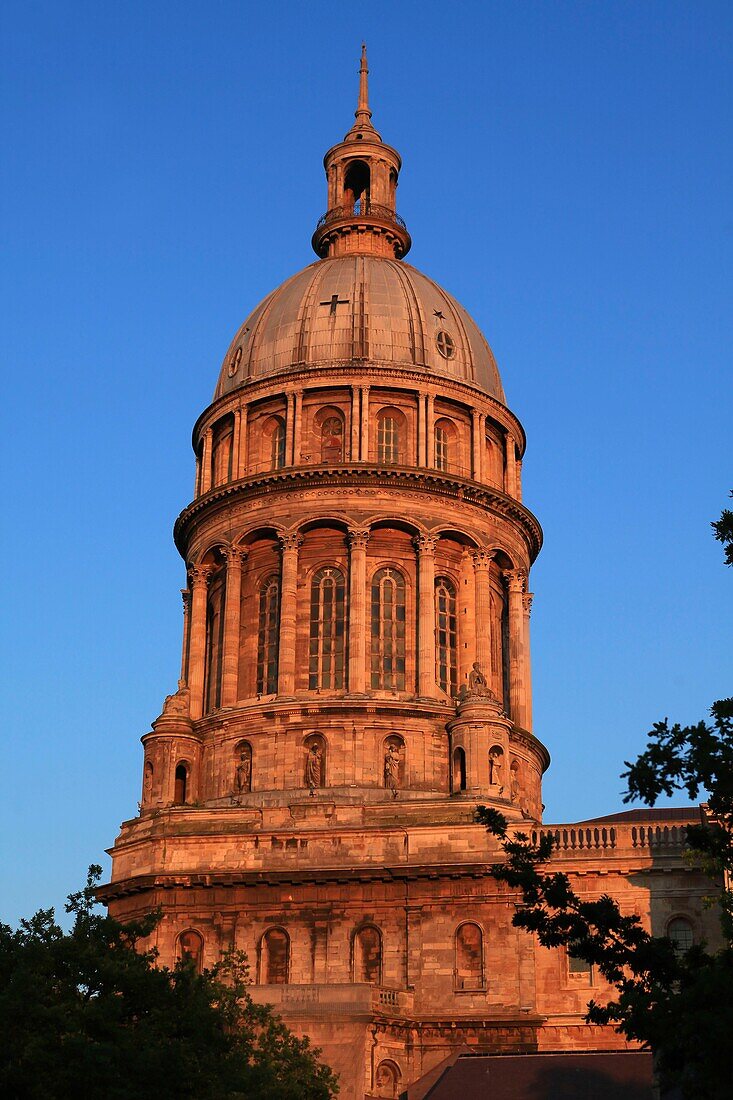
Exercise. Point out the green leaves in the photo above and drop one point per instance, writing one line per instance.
(85, 1014)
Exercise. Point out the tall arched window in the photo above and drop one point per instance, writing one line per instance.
(180, 790)
(441, 447)
(275, 957)
(326, 658)
(469, 972)
(332, 439)
(190, 948)
(277, 444)
(222, 437)
(388, 440)
(446, 638)
(267, 636)
(214, 643)
(367, 955)
(388, 630)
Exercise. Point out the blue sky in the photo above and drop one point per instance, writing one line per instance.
(567, 176)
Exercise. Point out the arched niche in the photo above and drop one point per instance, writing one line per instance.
(393, 762)
(458, 770)
(275, 957)
(315, 761)
(243, 768)
(190, 949)
(366, 955)
(469, 948)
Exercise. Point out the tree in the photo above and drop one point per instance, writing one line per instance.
(676, 1003)
(88, 1014)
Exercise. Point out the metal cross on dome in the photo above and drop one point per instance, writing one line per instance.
(334, 301)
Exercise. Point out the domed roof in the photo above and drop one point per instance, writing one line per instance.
(360, 308)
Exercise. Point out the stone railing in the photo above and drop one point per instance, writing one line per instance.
(360, 210)
(576, 838)
(337, 998)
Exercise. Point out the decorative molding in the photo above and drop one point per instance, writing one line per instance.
(290, 541)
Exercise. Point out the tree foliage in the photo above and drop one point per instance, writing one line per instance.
(89, 1014)
(677, 1003)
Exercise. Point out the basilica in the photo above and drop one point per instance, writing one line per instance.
(356, 680)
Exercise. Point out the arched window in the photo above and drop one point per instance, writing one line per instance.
(275, 957)
(181, 785)
(214, 643)
(388, 439)
(388, 630)
(332, 439)
(326, 657)
(267, 636)
(190, 948)
(222, 436)
(459, 770)
(277, 444)
(679, 930)
(446, 639)
(469, 972)
(367, 955)
(441, 447)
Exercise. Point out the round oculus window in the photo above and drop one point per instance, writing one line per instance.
(445, 344)
(234, 362)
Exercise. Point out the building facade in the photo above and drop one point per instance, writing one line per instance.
(356, 678)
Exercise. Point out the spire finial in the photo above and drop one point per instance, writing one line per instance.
(362, 113)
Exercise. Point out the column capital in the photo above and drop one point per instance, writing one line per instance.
(482, 558)
(234, 555)
(358, 537)
(186, 597)
(290, 541)
(515, 579)
(527, 602)
(425, 544)
(199, 575)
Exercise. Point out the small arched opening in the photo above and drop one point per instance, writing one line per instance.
(275, 957)
(459, 770)
(357, 184)
(190, 949)
(180, 787)
(469, 973)
(367, 955)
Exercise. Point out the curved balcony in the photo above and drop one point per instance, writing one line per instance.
(361, 214)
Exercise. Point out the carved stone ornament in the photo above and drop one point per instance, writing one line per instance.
(199, 575)
(358, 538)
(291, 541)
(482, 559)
(178, 704)
(515, 579)
(234, 556)
(527, 602)
(425, 544)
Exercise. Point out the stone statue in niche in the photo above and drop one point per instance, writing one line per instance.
(392, 761)
(314, 766)
(496, 759)
(243, 772)
(148, 782)
(515, 789)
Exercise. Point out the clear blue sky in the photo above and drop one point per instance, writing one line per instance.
(567, 175)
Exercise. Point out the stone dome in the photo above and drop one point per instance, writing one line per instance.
(360, 308)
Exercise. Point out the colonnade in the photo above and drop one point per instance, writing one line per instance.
(518, 599)
(357, 449)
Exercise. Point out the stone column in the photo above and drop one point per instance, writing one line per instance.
(354, 423)
(235, 559)
(186, 596)
(422, 429)
(206, 463)
(288, 607)
(527, 604)
(481, 565)
(199, 577)
(425, 546)
(510, 466)
(518, 479)
(289, 424)
(358, 540)
(430, 432)
(242, 469)
(364, 423)
(297, 426)
(515, 582)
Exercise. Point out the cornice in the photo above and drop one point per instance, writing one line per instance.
(364, 372)
(395, 477)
